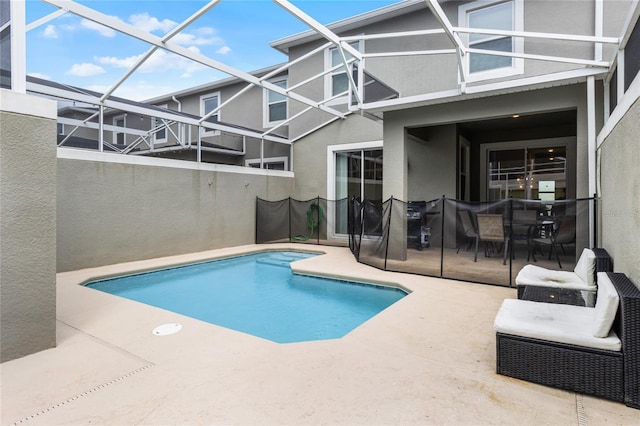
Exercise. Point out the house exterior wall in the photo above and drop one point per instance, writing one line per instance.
(138, 208)
(431, 164)
(620, 194)
(27, 224)
(310, 153)
(433, 73)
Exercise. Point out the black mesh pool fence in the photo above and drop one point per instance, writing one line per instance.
(486, 242)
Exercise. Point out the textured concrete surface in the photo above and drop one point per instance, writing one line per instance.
(428, 359)
(27, 224)
(620, 191)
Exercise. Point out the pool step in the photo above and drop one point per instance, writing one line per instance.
(274, 262)
(282, 259)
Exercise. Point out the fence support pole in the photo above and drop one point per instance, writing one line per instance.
(386, 249)
(442, 238)
(318, 217)
(255, 239)
(289, 199)
(595, 220)
(510, 243)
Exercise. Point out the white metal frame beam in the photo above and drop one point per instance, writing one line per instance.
(273, 73)
(592, 67)
(153, 49)
(332, 37)
(134, 32)
(440, 16)
(38, 22)
(126, 107)
(17, 20)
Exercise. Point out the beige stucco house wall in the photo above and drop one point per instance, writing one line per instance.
(620, 194)
(27, 224)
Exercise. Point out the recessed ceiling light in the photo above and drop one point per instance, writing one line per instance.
(516, 116)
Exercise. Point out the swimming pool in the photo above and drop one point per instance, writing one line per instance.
(258, 294)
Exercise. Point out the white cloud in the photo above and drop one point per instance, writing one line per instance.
(148, 23)
(39, 75)
(117, 62)
(104, 31)
(223, 50)
(50, 31)
(85, 70)
(160, 61)
(199, 37)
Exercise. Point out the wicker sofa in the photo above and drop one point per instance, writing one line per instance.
(604, 372)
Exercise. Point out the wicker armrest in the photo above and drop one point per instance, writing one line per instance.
(627, 326)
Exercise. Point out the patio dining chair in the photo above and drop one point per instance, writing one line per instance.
(523, 226)
(563, 234)
(468, 228)
(491, 232)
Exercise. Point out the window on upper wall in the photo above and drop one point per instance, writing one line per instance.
(119, 137)
(208, 103)
(632, 56)
(492, 15)
(160, 134)
(337, 81)
(275, 104)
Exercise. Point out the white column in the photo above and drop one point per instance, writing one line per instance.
(591, 146)
(18, 46)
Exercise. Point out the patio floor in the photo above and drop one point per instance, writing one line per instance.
(428, 359)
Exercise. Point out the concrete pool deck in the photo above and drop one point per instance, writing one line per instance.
(428, 359)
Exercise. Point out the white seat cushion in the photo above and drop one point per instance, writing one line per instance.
(542, 277)
(606, 306)
(586, 267)
(552, 322)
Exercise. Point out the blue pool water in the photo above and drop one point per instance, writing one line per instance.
(258, 294)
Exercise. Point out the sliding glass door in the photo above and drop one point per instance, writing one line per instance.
(358, 174)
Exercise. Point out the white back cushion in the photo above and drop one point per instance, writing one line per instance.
(586, 266)
(606, 306)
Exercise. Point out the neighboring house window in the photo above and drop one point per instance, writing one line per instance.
(119, 121)
(208, 103)
(275, 108)
(493, 15)
(337, 81)
(271, 163)
(631, 57)
(60, 128)
(160, 136)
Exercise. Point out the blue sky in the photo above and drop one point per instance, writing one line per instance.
(75, 51)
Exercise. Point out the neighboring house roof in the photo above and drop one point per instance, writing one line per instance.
(151, 108)
(351, 23)
(212, 85)
(80, 142)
